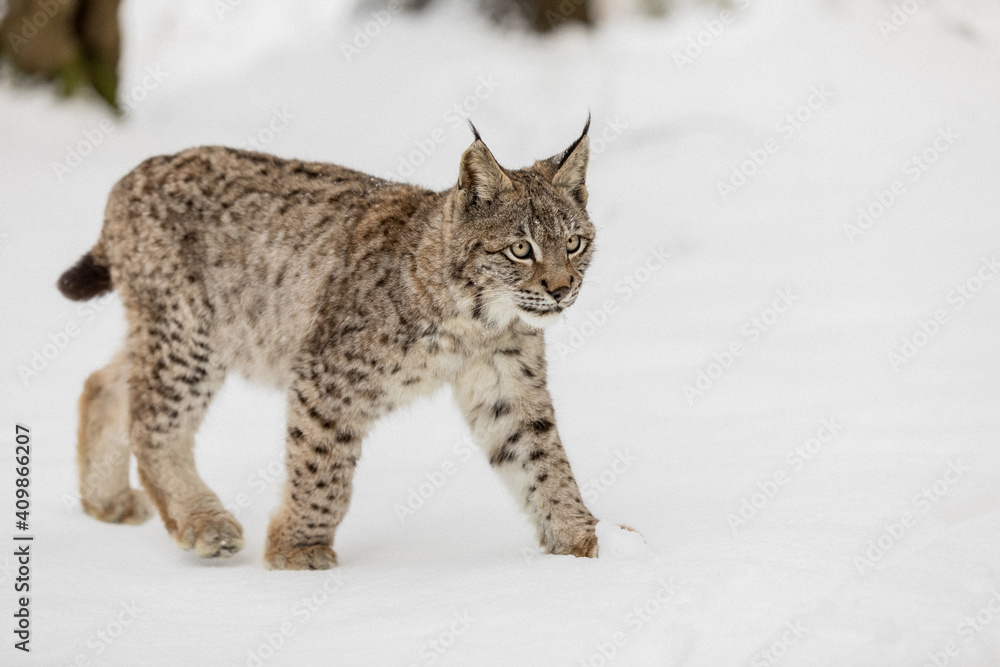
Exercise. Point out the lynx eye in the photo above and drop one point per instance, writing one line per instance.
(521, 249)
(573, 244)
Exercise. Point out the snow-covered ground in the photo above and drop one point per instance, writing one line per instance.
(783, 370)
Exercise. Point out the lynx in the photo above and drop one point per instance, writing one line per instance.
(353, 294)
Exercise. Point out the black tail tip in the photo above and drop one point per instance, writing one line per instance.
(85, 280)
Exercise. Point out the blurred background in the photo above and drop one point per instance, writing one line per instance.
(783, 367)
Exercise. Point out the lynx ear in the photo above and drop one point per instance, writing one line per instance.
(571, 167)
(480, 178)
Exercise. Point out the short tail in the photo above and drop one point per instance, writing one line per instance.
(85, 280)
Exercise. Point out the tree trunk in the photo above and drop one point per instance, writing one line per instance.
(540, 15)
(546, 15)
(72, 42)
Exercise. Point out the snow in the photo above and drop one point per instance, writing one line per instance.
(725, 385)
(619, 543)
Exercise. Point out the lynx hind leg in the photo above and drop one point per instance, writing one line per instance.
(102, 448)
(174, 374)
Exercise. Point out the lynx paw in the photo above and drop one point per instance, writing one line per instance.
(129, 506)
(585, 548)
(313, 557)
(210, 535)
(582, 544)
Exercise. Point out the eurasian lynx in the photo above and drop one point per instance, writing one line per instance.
(355, 295)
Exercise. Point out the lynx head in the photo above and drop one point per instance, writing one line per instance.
(520, 240)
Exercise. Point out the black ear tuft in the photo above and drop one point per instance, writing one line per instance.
(475, 132)
(569, 151)
(571, 170)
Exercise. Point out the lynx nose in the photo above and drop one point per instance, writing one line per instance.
(559, 293)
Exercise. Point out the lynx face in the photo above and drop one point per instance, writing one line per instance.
(523, 237)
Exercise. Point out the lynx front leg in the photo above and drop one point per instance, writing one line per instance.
(510, 412)
(323, 447)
